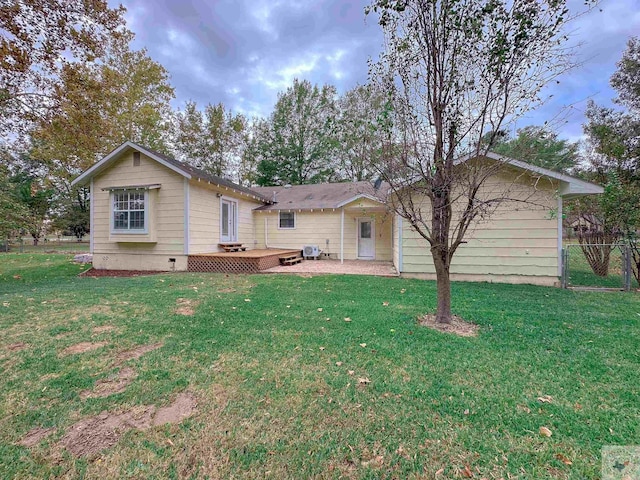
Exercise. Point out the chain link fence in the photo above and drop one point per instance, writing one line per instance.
(596, 265)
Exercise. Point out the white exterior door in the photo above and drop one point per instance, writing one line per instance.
(366, 239)
(228, 221)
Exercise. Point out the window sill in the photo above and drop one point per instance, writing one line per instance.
(132, 238)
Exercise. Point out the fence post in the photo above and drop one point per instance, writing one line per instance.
(564, 258)
(627, 268)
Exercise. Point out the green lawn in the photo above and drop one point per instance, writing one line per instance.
(277, 380)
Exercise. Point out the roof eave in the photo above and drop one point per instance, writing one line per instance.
(85, 177)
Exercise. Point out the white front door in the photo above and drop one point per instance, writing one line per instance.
(228, 221)
(366, 239)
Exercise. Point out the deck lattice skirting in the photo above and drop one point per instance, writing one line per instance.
(233, 263)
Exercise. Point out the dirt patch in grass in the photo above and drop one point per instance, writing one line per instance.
(34, 436)
(137, 352)
(185, 306)
(102, 329)
(182, 407)
(82, 347)
(92, 272)
(16, 347)
(94, 434)
(111, 385)
(458, 326)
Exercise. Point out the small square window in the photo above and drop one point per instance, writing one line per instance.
(287, 220)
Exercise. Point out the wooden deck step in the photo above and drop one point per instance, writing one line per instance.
(291, 261)
(232, 247)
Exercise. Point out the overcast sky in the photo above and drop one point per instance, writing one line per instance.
(243, 52)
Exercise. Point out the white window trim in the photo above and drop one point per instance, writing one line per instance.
(236, 217)
(115, 231)
(295, 220)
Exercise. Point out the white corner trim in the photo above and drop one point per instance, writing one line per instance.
(91, 217)
(342, 235)
(559, 236)
(187, 212)
(400, 254)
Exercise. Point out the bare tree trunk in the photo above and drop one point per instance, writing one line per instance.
(443, 282)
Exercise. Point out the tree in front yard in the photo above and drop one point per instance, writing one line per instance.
(455, 71)
(615, 158)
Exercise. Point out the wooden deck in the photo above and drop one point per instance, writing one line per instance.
(250, 261)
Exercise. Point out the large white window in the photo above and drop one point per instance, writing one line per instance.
(287, 220)
(129, 211)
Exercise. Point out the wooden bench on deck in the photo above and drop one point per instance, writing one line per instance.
(232, 247)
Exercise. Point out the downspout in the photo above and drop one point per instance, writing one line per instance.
(266, 231)
(342, 235)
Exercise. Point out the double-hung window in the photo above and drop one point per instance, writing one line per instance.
(129, 210)
(287, 220)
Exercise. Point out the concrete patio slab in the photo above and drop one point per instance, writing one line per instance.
(349, 267)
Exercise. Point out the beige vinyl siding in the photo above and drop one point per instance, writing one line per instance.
(517, 239)
(315, 228)
(204, 218)
(166, 208)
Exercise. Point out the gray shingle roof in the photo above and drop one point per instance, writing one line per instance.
(316, 196)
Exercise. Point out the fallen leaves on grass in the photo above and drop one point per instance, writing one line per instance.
(458, 326)
(545, 399)
(347, 319)
(545, 432)
(362, 381)
(363, 345)
(563, 459)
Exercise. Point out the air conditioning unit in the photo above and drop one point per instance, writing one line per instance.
(310, 251)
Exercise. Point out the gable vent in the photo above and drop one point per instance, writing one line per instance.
(136, 159)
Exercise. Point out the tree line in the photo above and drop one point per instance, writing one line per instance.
(72, 88)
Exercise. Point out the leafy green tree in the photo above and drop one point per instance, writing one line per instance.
(614, 159)
(38, 38)
(359, 136)
(297, 144)
(541, 147)
(37, 200)
(213, 140)
(13, 214)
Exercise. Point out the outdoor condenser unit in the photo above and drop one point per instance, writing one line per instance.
(310, 251)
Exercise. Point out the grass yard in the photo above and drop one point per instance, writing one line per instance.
(286, 388)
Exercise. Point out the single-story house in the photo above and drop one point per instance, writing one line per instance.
(152, 212)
